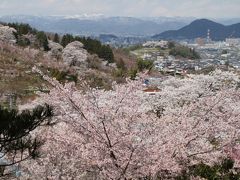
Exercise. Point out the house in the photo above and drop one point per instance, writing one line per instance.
(151, 90)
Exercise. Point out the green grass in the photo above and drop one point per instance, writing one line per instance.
(140, 52)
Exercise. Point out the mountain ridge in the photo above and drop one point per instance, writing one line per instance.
(199, 28)
(94, 26)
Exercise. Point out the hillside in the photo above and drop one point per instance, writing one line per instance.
(87, 124)
(193, 119)
(22, 48)
(199, 28)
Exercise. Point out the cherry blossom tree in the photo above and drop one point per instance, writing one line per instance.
(126, 133)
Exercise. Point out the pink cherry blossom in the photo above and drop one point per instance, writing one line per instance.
(126, 133)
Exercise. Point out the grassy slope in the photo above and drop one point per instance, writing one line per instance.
(16, 75)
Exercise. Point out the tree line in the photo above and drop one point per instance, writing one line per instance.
(183, 51)
(25, 29)
(93, 46)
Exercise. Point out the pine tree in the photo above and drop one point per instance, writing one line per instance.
(66, 39)
(16, 143)
(56, 38)
(42, 40)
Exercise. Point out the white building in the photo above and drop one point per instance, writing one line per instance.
(233, 41)
(146, 56)
(161, 44)
(160, 58)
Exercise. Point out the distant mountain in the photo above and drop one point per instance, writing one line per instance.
(94, 25)
(227, 21)
(97, 24)
(199, 28)
(162, 19)
(107, 37)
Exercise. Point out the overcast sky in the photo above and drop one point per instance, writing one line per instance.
(135, 8)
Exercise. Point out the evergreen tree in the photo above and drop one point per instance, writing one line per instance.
(56, 38)
(42, 40)
(16, 142)
(22, 28)
(66, 39)
(93, 46)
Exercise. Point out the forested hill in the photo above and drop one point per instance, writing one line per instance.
(199, 28)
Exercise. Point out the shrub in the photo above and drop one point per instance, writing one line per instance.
(94, 62)
(62, 76)
(133, 73)
(144, 64)
(22, 41)
(224, 170)
(119, 73)
(120, 64)
(224, 52)
(133, 48)
(184, 52)
(171, 45)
